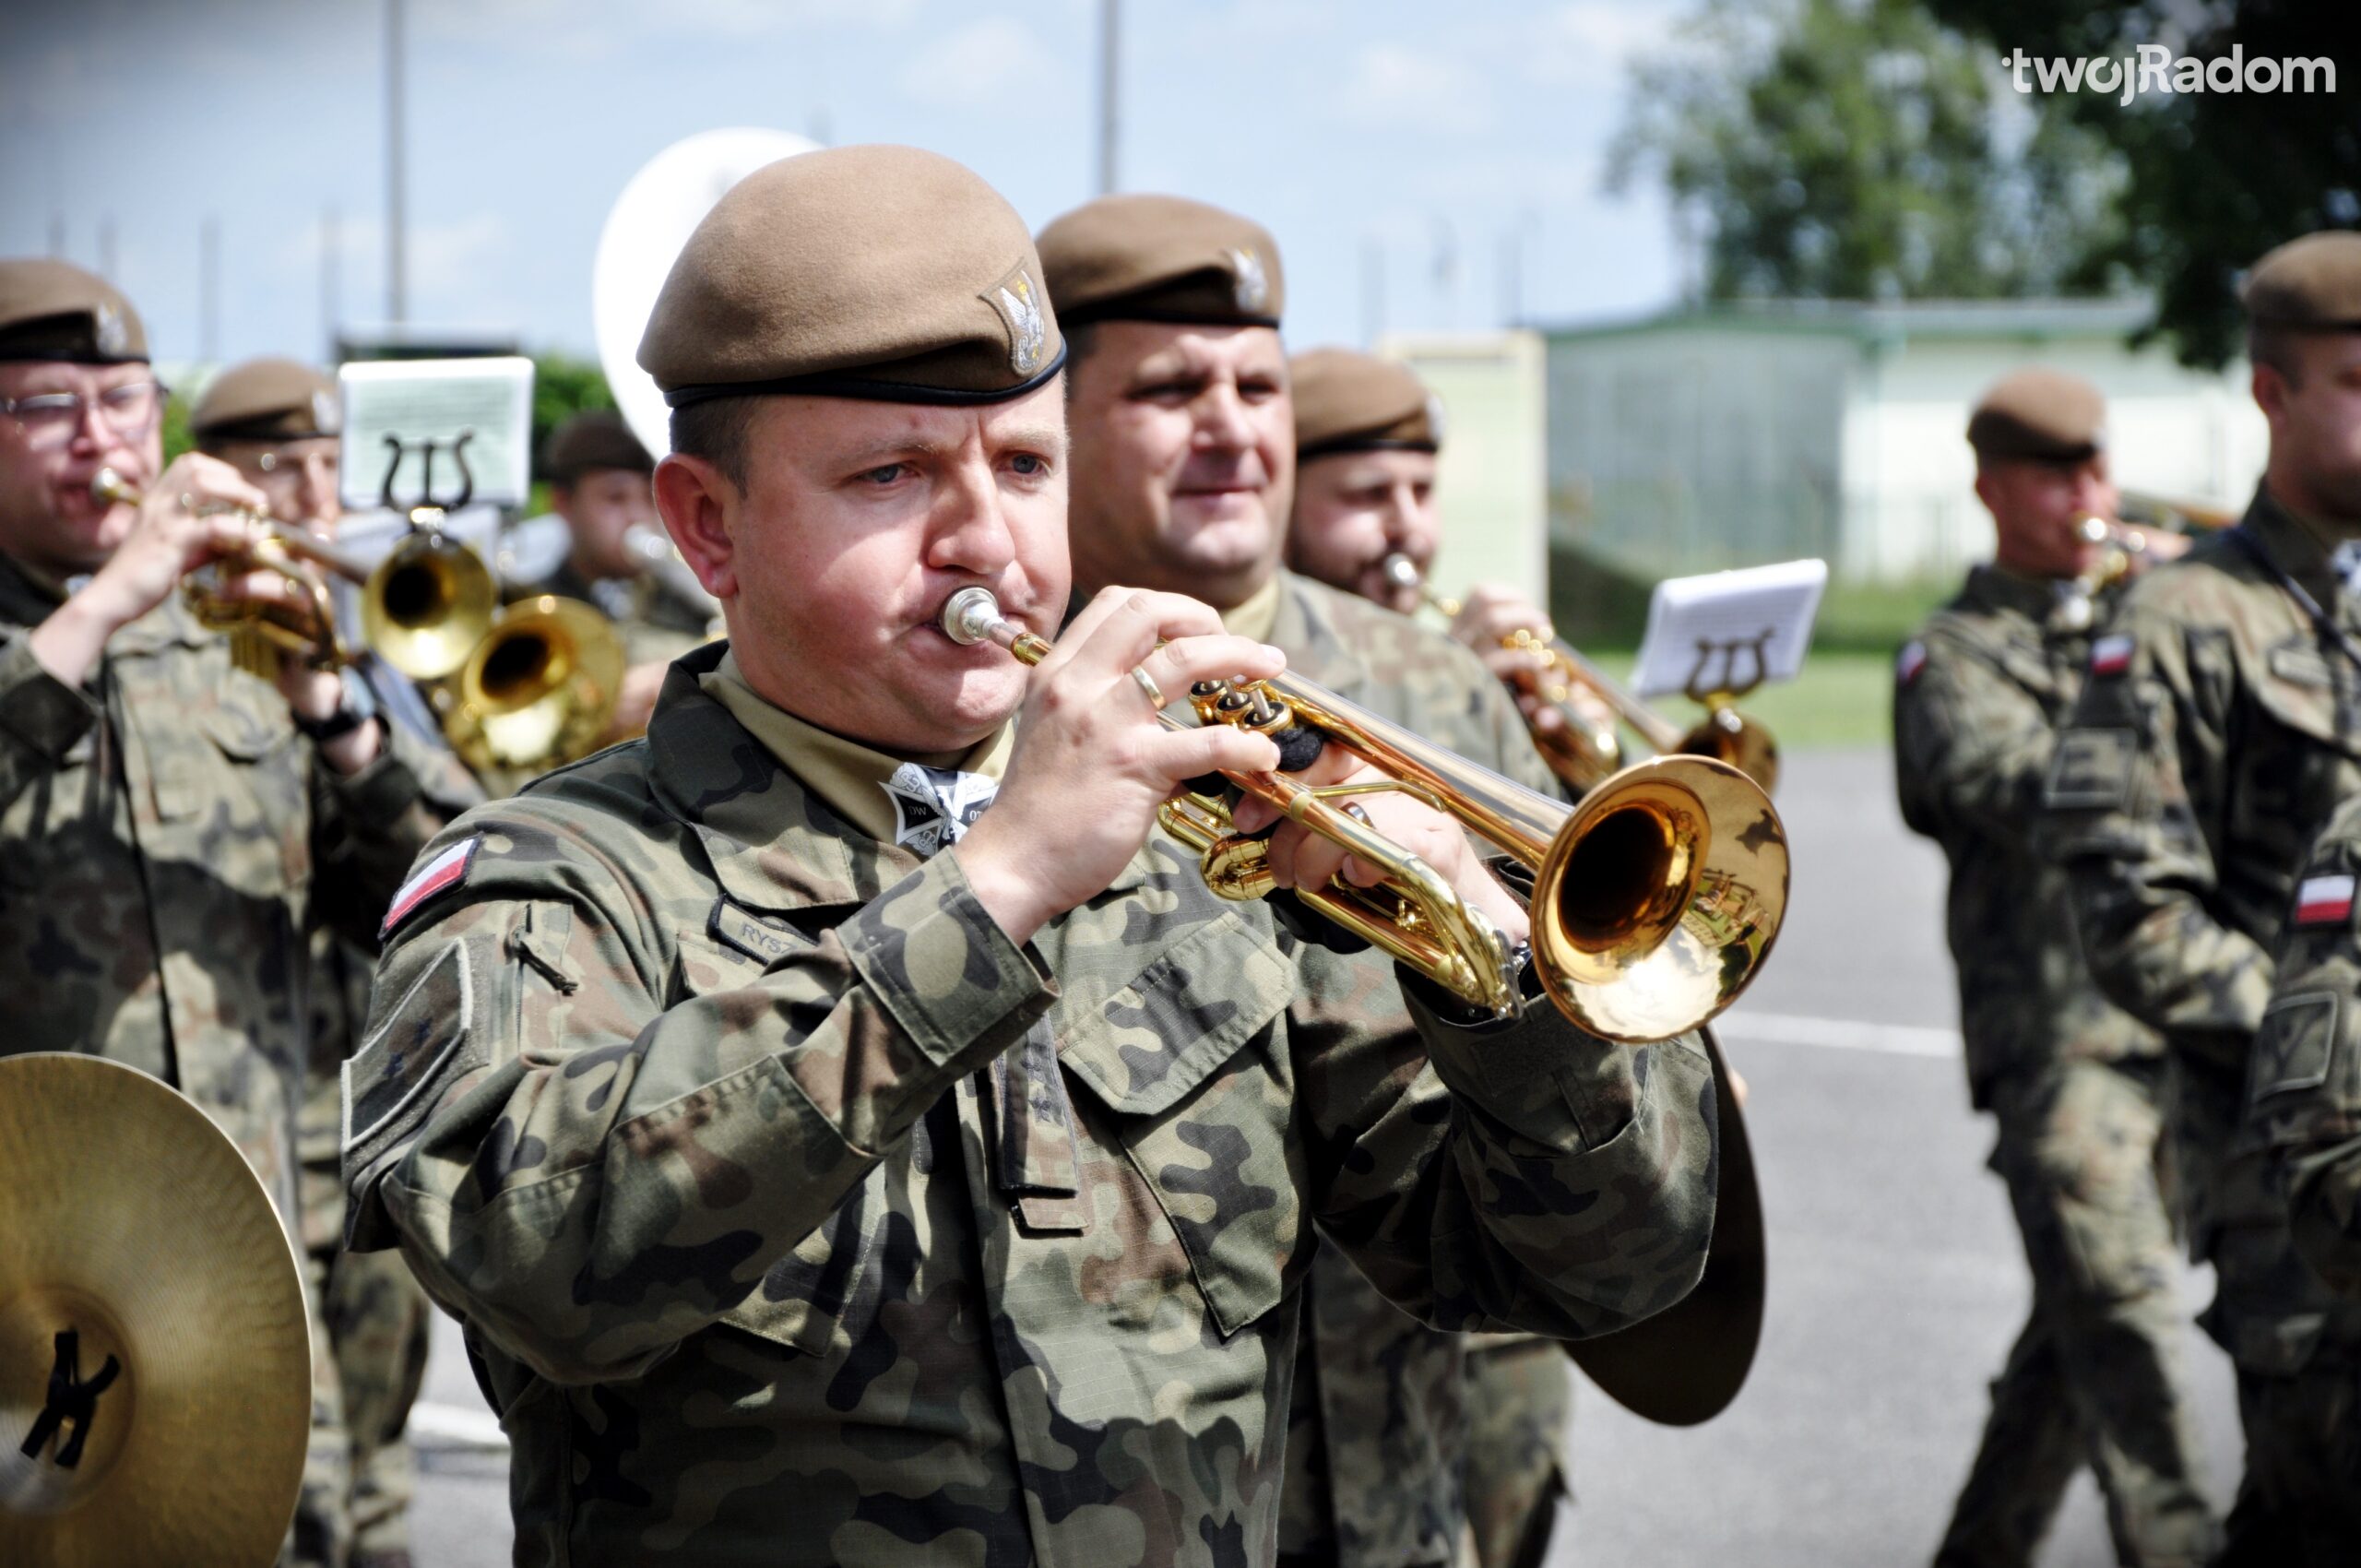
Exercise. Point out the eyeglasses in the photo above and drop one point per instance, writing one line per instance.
(49, 419)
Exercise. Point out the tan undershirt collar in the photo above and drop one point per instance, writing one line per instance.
(847, 775)
(1257, 615)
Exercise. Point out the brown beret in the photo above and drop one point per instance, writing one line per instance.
(2044, 415)
(266, 401)
(876, 272)
(54, 310)
(1346, 401)
(1162, 258)
(596, 438)
(2308, 285)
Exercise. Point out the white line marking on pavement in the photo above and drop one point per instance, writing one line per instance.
(457, 1424)
(1844, 1034)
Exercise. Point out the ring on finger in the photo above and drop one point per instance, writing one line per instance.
(1146, 683)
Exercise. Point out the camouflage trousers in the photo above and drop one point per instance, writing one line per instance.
(2096, 1376)
(1520, 1395)
(371, 1327)
(2300, 1506)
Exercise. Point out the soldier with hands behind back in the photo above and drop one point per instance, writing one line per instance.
(2219, 729)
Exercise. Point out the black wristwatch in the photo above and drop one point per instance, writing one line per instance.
(359, 706)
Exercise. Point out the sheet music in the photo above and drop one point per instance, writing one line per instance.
(436, 400)
(1747, 628)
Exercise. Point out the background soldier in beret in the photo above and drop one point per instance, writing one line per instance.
(847, 1133)
(278, 423)
(2214, 739)
(2073, 1082)
(1184, 443)
(171, 825)
(1367, 435)
(2304, 1108)
(598, 477)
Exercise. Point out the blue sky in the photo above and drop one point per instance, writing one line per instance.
(1423, 128)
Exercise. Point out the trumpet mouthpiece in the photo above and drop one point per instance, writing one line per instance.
(110, 487)
(1403, 572)
(969, 616)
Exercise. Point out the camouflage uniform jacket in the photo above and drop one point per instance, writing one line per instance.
(166, 838)
(2304, 1100)
(1378, 1431)
(2220, 728)
(796, 1214)
(1978, 697)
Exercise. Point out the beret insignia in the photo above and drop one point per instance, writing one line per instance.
(1252, 284)
(1019, 303)
(326, 418)
(112, 335)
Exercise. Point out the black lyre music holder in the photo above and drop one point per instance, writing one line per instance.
(1733, 653)
(426, 514)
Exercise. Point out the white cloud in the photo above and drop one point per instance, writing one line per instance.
(994, 63)
(1398, 87)
(1592, 42)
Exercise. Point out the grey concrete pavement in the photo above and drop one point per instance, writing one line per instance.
(1896, 1283)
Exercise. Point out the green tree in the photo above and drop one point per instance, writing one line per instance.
(1858, 149)
(564, 387)
(2215, 178)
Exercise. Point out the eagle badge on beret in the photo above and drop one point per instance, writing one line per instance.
(1253, 287)
(113, 336)
(326, 418)
(1020, 310)
(1434, 419)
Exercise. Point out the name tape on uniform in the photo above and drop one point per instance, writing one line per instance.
(445, 870)
(2324, 901)
(2111, 655)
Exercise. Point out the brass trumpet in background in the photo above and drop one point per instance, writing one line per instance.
(1583, 752)
(538, 690)
(1653, 900)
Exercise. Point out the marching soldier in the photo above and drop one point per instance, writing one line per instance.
(600, 483)
(844, 1131)
(2074, 1083)
(171, 826)
(2211, 741)
(1368, 437)
(1184, 441)
(277, 421)
(2304, 1110)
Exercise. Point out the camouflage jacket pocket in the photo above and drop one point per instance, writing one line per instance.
(1206, 1125)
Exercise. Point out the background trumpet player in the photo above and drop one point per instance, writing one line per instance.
(1184, 445)
(277, 421)
(1366, 519)
(2074, 1084)
(599, 484)
(171, 826)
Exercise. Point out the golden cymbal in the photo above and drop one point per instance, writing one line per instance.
(155, 1358)
(1684, 1365)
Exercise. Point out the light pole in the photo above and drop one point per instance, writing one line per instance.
(397, 283)
(1109, 88)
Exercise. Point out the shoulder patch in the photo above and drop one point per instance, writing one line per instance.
(2091, 767)
(1912, 660)
(446, 870)
(421, 1037)
(2293, 1048)
(2324, 901)
(2111, 655)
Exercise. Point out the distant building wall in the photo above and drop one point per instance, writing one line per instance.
(1490, 478)
(1706, 439)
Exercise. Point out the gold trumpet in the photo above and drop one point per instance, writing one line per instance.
(538, 690)
(422, 608)
(1583, 751)
(1654, 901)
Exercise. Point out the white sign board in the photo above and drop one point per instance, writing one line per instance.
(1729, 631)
(487, 401)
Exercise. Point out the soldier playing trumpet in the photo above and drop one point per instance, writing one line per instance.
(171, 826)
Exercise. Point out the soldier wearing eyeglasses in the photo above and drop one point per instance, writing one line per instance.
(170, 824)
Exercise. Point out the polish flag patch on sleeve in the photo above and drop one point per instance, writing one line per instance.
(446, 870)
(2111, 655)
(2324, 901)
(1913, 659)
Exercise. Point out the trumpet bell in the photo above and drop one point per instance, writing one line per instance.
(427, 605)
(539, 688)
(1728, 735)
(1659, 900)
